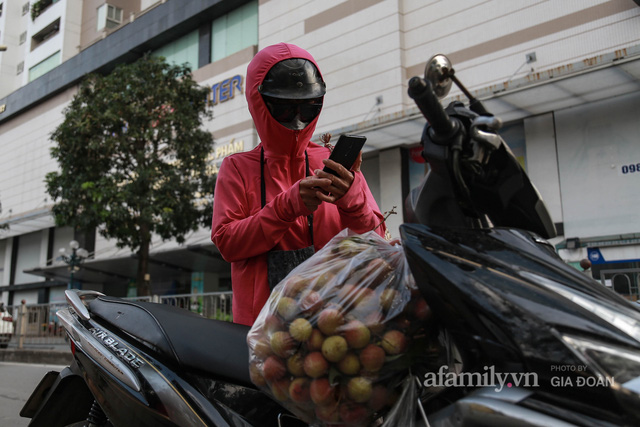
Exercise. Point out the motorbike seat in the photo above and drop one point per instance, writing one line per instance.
(196, 343)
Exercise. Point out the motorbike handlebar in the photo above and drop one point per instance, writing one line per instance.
(421, 92)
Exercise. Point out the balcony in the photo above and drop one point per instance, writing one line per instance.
(39, 6)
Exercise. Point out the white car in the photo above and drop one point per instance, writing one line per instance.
(6, 326)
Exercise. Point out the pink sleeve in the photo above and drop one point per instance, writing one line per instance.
(358, 209)
(240, 235)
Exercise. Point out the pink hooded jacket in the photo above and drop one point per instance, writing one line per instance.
(242, 230)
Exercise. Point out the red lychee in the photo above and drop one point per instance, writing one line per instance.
(372, 358)
(315, 365)
(315, 340)
(394, 342)
(322, 392)
(299, 390)
(356, 334)
(273, 369)
(329, 320)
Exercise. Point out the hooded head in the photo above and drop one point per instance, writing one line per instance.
(284, 94)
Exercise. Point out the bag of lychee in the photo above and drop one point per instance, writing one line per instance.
(333, 343)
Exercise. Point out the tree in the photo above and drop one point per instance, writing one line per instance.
(133, 157)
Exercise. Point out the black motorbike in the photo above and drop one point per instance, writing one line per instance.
(526, 339)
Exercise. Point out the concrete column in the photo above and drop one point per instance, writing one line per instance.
(390, 163)
(542, 161)
(8, 250)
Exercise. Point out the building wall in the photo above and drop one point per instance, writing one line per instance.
(357, 45)
(26, 158)
(12, 24)
(89, 29)
(488, 41)
(599, 164)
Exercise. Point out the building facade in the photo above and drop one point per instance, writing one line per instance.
(563, 76)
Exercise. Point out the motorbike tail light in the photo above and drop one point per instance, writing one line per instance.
(7, 319)
(73, 347)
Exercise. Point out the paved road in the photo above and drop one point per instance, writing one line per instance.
(17, 381)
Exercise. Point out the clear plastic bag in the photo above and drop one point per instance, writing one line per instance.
(333, 343)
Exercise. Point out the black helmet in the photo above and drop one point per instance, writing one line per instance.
(293, 78)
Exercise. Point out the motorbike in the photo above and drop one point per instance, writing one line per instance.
(526, 339)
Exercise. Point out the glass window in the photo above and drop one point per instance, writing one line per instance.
(28, 257)
(109, 16)
(234, 31)
(45, 66)
(184, 49)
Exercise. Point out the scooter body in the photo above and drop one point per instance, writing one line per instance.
(149, 365)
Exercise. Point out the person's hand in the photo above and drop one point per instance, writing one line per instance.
(339, 185)
(311, 188)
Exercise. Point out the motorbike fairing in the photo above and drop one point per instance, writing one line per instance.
(190, 368)
(489, 288)
(50, 403)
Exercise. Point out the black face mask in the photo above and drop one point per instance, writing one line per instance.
(293, 114)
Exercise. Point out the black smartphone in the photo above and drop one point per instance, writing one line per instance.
(346, 151)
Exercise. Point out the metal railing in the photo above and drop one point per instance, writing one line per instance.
(625, 281)
(36, 325)
(215, 305)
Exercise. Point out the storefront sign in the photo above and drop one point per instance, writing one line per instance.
(225, 90)
(633, 168)
(221, 152)
(232, 147)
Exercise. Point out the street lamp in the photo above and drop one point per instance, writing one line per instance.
(78, 255)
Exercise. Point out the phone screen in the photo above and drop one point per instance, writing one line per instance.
(346, 151)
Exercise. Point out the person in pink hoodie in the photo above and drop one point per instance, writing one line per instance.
(273, 205)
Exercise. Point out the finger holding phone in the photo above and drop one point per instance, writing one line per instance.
(310, 189)
(339, 184)
(344, 156)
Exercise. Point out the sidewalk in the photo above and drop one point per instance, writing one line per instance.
(46, 354)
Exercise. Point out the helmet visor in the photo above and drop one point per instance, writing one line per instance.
(293, 113)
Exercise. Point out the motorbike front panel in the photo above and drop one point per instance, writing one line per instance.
(509, 299)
